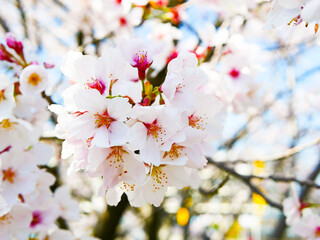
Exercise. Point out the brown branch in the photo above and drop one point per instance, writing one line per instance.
(215, 190)
(48, 98)
(23, 17)
(4, 25)
(282, 156)
(312, 176)
(246, 180)
(106, 227)
(308, 182)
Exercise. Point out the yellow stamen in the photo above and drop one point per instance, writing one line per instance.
(34, 79)
(5, 123)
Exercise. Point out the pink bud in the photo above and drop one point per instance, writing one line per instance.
(14, 44)
(142, 62)
(11, 40)
(48, 65)
(146, 102)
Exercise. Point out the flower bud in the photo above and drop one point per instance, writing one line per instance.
(14, 44)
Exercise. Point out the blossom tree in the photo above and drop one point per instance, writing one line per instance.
(165, 119)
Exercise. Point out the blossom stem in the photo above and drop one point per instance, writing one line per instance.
(143, 88)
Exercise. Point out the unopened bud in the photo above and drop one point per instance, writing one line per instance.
(14, 44)
(48, 65)
(146, 102)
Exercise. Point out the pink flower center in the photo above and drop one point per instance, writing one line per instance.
(196, 122)
(317, 232)
(142, 63)
(98, 85)
(175, 152)
(123, 21)
(172, 56)
(154, 129)
(141, 60)
(103, 120)
(234, 73)
(8, 175)
(36, 219)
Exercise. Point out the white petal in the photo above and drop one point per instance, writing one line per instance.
(101, 138)
(113, 196)
(89, 100)
(135, 168)
(118, 133)
(150, 153)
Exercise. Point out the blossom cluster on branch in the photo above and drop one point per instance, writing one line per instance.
(29, 208)
(140, 121)
(140, 138)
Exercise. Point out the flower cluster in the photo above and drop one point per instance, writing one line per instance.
(28, 207)
(138, 136)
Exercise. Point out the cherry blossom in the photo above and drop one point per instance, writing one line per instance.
(308, 227)
(33, 79)
(133, 136)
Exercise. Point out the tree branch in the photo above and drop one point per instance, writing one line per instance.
(4, 25)
(108, 222)
(288, 153)
(215, 190)
(23, 17)
(246, 180)
(308, 182)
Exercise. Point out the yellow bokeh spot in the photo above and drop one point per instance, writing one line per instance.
(259, 205)
(257, 199)
(258, 167)
(234, 231)
(183, 216)
(258, 164)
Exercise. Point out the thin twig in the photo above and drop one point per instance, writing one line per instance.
(312, 176)
(23, 17)
(4, 25)
(246, 180)
(48, 98)
(288, 153)
(214, 190)
(308, 182)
